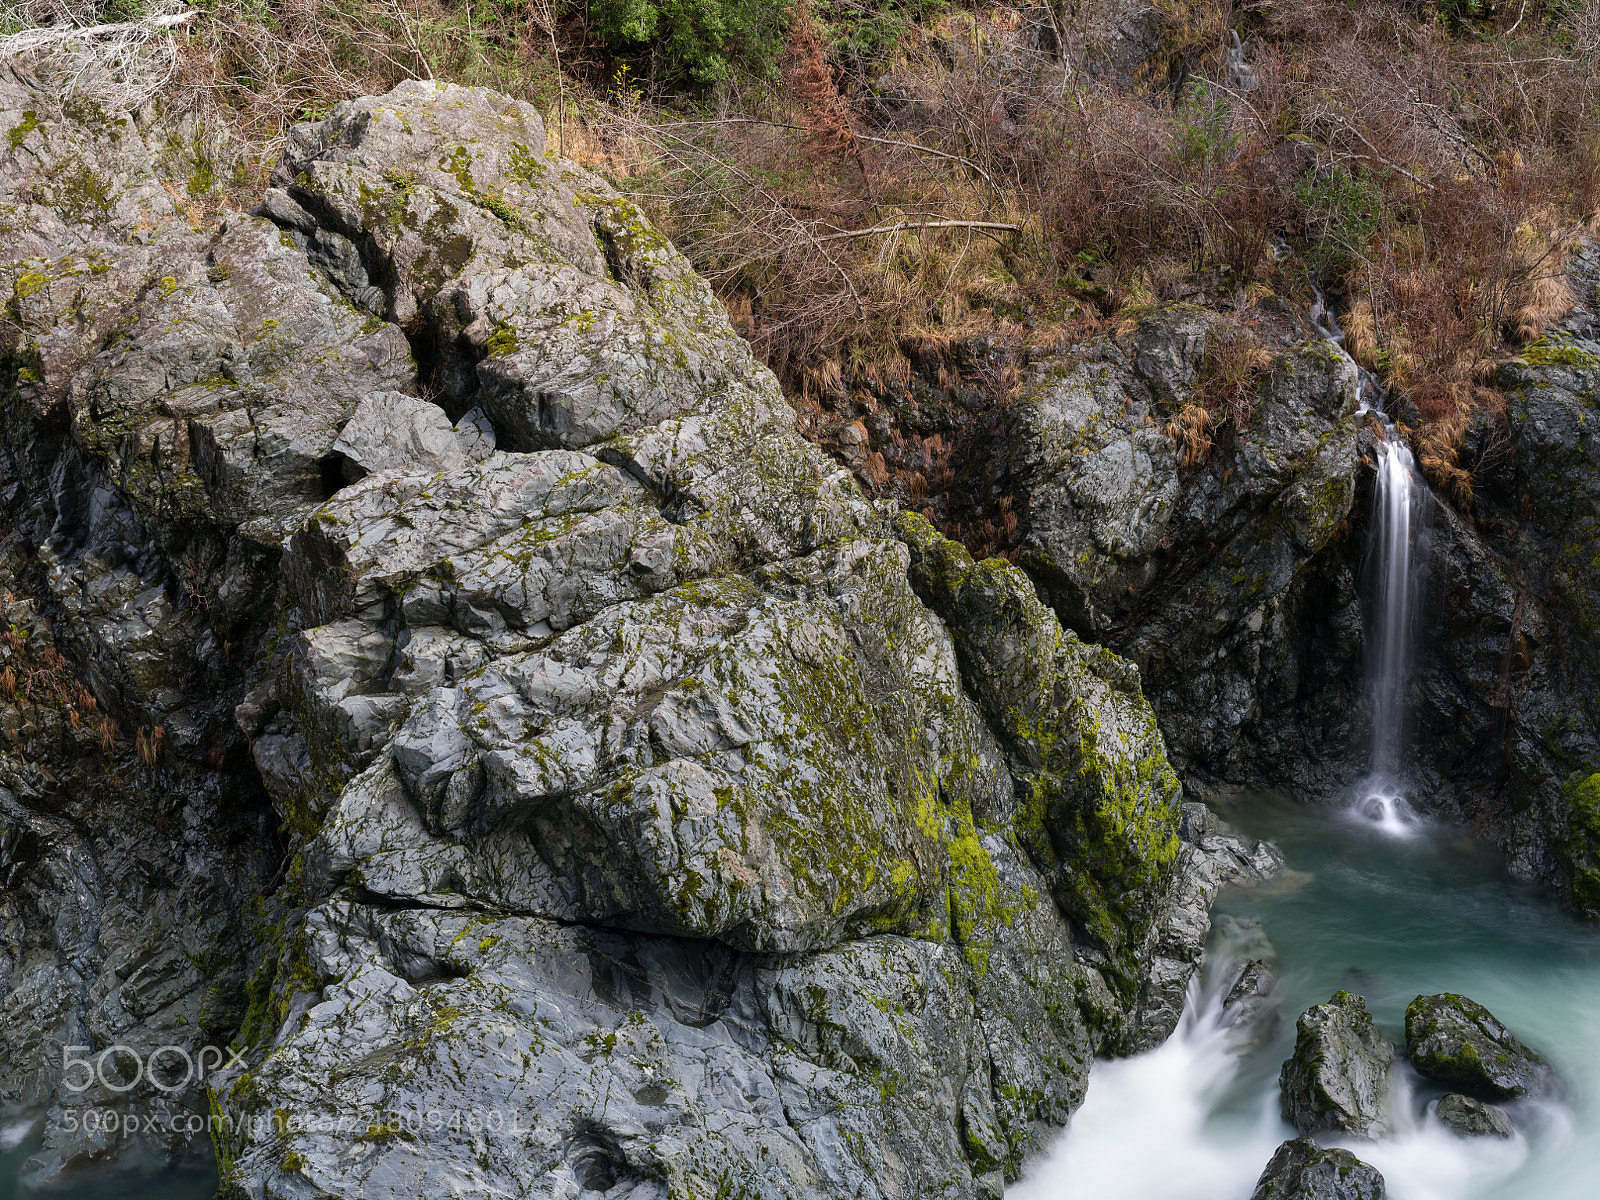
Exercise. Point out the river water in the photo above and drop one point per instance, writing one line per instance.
(1389, 912)
(20, 1138)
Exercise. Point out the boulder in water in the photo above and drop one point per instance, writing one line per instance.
(1473, 1118)
(1337, 1079)
(1457, 1042)
(1303, 1170)
(1249, 998)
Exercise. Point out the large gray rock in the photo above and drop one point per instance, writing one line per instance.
(645, 708)
(1456, 1041)
(1303, 1170)
(1337, 1079)
(642, 828)
(1222, 580)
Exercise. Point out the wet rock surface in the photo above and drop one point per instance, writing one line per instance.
(1223, 578)
(1473, 1118)
(1337, 1079)
(1303, 1170)
(1457, 1042)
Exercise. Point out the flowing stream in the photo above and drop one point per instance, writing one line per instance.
(19, 1140)
(1381, 903)
(1389, 918)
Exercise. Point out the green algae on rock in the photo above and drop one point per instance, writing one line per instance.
(1457, 1042)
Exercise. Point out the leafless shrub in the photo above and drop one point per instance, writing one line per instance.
(120, 64)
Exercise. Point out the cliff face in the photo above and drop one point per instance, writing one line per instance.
(654, 810)
(438, 669)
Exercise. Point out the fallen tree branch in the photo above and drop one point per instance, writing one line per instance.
(904, 225)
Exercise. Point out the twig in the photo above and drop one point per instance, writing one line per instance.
(1521, 12)
(904, 225)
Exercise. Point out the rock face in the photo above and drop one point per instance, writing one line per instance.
(656, 813)
(1303, 1170)
(1506, 736)
(1473, 1118)
(1457, 1042)
(1337, 1079)
(1233, 579)
(1222, 580)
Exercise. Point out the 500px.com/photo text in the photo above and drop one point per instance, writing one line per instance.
(388, 1123)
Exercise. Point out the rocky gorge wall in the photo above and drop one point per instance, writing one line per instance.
(466, 694)
(441, 672)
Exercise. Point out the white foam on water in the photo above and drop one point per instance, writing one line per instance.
(14, 1134)
(1381, 804)
(1150, 1129)
(1145, 1130)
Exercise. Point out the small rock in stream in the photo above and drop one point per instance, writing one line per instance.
(1303, 1170)
(1473, 1118)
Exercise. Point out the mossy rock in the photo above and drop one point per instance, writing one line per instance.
(1457, 1042)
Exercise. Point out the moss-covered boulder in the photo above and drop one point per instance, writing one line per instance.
(1303, 1170)
(1098, 806)
(711, 853)
(1457, 1042)
(1337, 1079)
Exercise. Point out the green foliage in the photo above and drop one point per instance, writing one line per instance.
(1204, 129)
(1340, 211)
(852, 30)
(697, 42)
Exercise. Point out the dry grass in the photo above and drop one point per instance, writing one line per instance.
(1430, 175)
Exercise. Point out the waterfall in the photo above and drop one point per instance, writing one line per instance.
(1396, 567)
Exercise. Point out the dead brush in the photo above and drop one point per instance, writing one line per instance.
(147, 743)
(1230, 372)
(1190, 431)
(109, 732)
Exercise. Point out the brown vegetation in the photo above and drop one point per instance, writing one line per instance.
(1427, 165)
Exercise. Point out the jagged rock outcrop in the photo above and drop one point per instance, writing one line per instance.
(1223, 580)
(1457, 1042)
(1303, 1170)
(1337, 1079)
(1507, 734)
(643, 826)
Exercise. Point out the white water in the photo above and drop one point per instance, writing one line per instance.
(1397, 565)
(1197, 1119)
(14, 1134)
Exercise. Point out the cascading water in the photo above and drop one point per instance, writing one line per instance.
(1390, 918)
(1399, 525)
(1397, 565)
